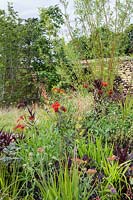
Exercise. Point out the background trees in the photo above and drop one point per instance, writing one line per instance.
(32, 52)
(27, 53)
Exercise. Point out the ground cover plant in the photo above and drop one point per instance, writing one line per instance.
(69, 136)
(56, 152)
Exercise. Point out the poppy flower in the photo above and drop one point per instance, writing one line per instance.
(85, 85)
(19, 127)
(56, 106)
(104, 84)
(63, 108)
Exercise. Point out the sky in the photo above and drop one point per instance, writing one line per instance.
(29, 8)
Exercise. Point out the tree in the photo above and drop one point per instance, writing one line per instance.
(10, 34)
(28, 53)
(129, 34)
(50, 21)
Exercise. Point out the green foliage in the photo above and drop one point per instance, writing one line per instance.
(64, 158)
(109, 122)
(28, 53)
(67, 152)
(64, 186)
(129, 34)
(10, 182)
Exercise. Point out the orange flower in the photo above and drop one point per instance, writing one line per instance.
(112, 158)
(91, 171)
(56, 90)
(63, 108)
(19, 127)
(62, 91)
(56, 106)
(85, 85)
(104, 84)
(20, 118)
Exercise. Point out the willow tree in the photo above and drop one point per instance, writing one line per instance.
(102, 22)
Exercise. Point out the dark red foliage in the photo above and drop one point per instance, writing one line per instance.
(63, 109)
(21, 105)
(31, 113)
(98, 84)
(7, 138)
(100, 92)
(122, 153)
(123, 148)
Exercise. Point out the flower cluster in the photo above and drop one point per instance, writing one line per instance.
(56, 106)
(58, 90)
(101, 86)
(19, 127)
(23, 120)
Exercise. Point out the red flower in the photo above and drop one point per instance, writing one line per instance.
(63, 108)
(110, 92)
(31, 118)
(104, 84)
(19, 127)
(100, 92)
(20, 118)
(56, 106)
(85, 85)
